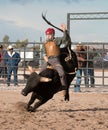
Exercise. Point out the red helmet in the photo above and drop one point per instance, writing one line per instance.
(50, 31)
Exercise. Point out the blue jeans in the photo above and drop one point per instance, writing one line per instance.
(9, 73)
(79, 76)
(91, 77)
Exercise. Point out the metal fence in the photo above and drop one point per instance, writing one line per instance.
(33, 52)
(100, 62)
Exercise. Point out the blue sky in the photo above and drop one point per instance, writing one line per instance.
(21, 19)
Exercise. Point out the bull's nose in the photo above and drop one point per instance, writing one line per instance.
(23, 93)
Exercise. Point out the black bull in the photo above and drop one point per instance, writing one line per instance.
(43, 91)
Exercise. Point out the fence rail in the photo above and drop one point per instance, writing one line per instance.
(33, 52)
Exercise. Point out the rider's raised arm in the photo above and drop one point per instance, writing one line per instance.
(65, 40)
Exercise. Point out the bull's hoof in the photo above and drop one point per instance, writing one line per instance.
(23, 93)
(66, 98)
(66, 95)
(44, 79)
(30, 109)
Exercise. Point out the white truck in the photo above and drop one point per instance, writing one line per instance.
(28, 55)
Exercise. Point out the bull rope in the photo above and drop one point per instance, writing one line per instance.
(44, 17)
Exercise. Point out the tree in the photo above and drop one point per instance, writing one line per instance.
(20, 44)
(25, 42)
(6, 40)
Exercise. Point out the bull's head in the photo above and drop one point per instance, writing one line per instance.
(32, 81)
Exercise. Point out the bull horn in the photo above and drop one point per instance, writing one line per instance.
(44, 79)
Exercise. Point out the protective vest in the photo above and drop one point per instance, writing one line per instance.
(52, 49)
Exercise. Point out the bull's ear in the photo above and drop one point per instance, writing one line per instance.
(26, 76)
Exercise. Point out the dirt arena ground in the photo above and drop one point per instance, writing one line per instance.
(87, 110)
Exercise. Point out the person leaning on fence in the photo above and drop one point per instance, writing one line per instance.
(52, 53)
(12, 59)
(81, 56)
(3, 68)
(90, 66)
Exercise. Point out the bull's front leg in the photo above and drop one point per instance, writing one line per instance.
(31, 101)
(39, 103)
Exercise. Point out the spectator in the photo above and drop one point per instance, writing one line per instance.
(12, 59)
(105, 57)
(81, 56)
(3, 69)
(90, 66)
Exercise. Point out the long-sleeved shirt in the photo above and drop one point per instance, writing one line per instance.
(62, 42)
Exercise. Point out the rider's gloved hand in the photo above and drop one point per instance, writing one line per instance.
(48, 64)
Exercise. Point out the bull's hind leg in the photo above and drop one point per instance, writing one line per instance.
(66, 95)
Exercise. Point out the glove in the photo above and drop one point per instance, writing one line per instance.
(48, 64)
